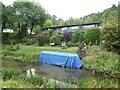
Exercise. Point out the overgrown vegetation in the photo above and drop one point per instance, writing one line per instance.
(92, 35)
(110, 37)
(101, 61)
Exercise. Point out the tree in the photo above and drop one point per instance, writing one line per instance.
(48, 23)
(54, 20)
(58, 39)
(92, 35)
(37, 29)
(80, 35)
(28, 15)
(7, 17)
(74, 38)
(50, 32)
(60, 21)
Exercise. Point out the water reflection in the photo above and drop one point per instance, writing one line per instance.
(30, 72)
(65, 73)
(31, 69)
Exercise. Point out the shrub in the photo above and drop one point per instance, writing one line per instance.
(69, 44)
(51, 31)
(92, 35)
(8, 38)
(58, 39)
(41, 39)
(14, 47)
(81, 37)
(110, 36)
(53, 39)
(47, 39)
(30, 41)
(80, 34)
(74, 38)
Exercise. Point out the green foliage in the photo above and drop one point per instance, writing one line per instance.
(58, 39)
(9, 73)
(105, 17)
(17, 47)
(80, 35)
(13, 47)
(29, 40)
(98, 82)
(74, 38)
(92, 35)
(50, 31)
(35, 80)
(48, 23)
(69, 44)
(41, 39)
(37, 29)
(53, 39)
(111, 38)
(8, 38)
(105, 63)
(47, 39)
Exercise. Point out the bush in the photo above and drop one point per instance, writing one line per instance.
(81, 37)
(8, 38)
(13, 47)
(51, 31)
(69, 44)
(110, 36)
(74, 38)
(41, 39)
(47, 39)
(31, 41)
(58, 39)
(92, 35)
(80, 34)
(53, 39)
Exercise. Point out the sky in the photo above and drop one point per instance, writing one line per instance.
(72, 8)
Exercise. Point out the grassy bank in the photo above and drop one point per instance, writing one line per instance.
(102, 62)
(14, 80)
(31, 53)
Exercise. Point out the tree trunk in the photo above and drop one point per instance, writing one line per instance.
(31, 28)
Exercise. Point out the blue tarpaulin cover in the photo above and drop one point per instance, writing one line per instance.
(60, 58)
